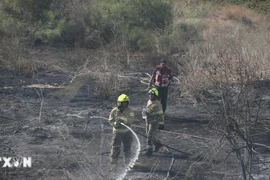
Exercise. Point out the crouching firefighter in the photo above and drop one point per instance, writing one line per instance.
(118, 115)
(154, 117)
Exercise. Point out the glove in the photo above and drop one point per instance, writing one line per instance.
(161, 127)
(144, 114)
(149, 86)
(118, 122)
(169, 82)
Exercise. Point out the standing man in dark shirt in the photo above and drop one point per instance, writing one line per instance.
(162, 77)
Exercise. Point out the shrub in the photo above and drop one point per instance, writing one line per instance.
(23, 17)
(11, 27)
(129, 21)
(140, 40)
(176, 38)
(26, 10)
(12, 59)
(72, 32)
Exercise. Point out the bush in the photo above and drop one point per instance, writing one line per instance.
(26, 10)
(12, 59)
(72, 32)
(11, 27)
(176, 38)
(140, 40)
(129, 21)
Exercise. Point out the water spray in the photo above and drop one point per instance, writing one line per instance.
(137, 152)
(134, 159)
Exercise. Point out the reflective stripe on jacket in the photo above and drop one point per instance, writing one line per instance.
(162, 80)
(154, 111)
(127, 115)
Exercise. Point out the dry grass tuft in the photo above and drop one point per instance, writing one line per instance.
(69, 91)
(231, 53)
(13, 59)
(237, 13)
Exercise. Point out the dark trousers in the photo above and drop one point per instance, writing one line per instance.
(117, 140)
(163, 94)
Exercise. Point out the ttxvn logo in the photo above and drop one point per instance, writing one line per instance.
(16, 162)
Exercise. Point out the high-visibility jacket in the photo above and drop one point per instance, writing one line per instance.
(162, 77)
(154, 111)
(127, 116)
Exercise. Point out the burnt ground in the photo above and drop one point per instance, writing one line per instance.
(68, 138)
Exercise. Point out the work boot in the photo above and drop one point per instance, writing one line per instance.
(149, 152)
(113, 164)
(158, 145)
(113, 167)
(126, 159)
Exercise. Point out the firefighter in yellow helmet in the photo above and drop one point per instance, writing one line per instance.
(154, 118)
(118, 115)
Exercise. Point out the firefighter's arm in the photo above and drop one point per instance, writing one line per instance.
(151, 79)
(150, 109)
(128, 119)
(169, 82)
(171, 77)
(113, 120)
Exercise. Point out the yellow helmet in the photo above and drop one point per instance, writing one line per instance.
(153, 91)
(122, 98)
